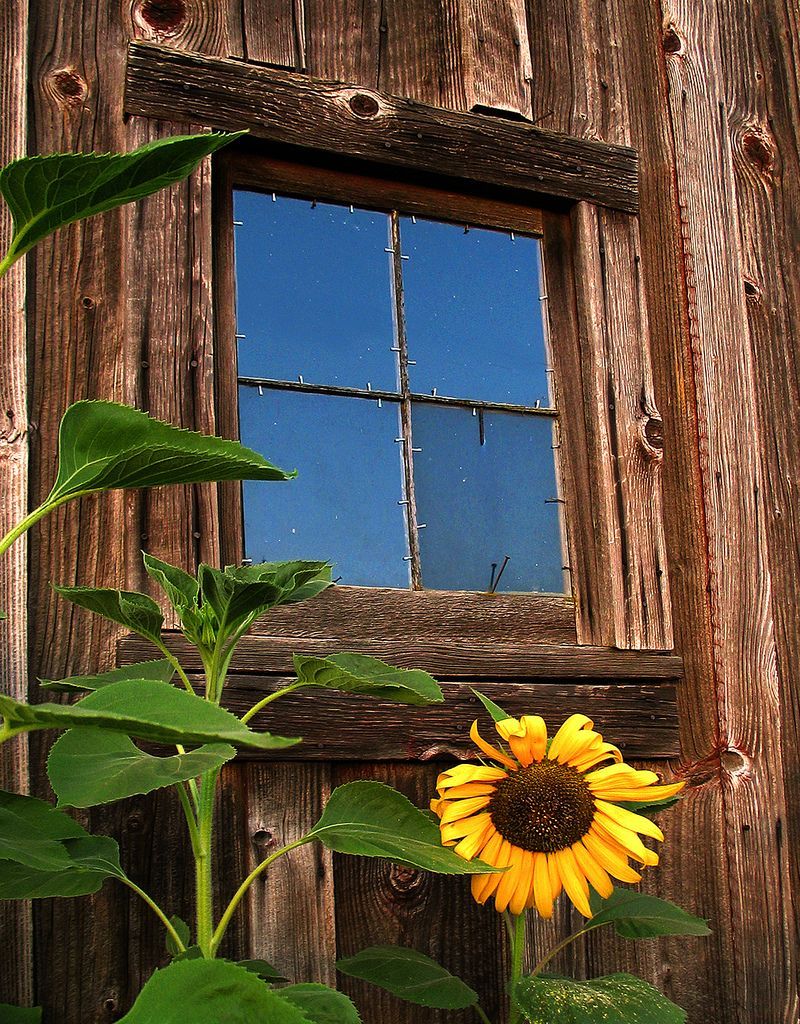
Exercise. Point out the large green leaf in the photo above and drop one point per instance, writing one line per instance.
(370, 819)
(357, 673)
(411, 976)
(103, 445)
(181, 588)
(20, 1014)
(31, 832)
(210, 992)
(635, 915)
(262, 969)
(146, 709)
(138, 612)
(320, 1004)
(93, 766)
(47, 192)
(615, 999)
(92, 860)
(161, 669)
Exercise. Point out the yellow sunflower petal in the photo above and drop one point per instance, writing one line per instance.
(501, 860)
(555, 877)
(567, 734)
(489, 750)
(484, 885)
(454, 830)
(527, 737)
(520, 897)
(470, 789)
(630, 820)
(643, 794)
(542, 895)
(595, 756)
(609, 858)
(620, 773)
(628, 842)
(438, 806)
(595, 873)
(574, 880)
(511, 880)
(471, 845)
(462, 774)
(463, 808)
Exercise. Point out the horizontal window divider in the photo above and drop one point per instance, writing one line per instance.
(394, 396)
(262, 655)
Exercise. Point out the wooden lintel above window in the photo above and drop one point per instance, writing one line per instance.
(299, 111)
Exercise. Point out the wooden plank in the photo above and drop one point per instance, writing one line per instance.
(16, 923)
(378, 903)
(290, 906)
(274, 33)
(315, 114)
(739, 559)
(344, 40)
(262, 654)
(496, 59)
(759, 58)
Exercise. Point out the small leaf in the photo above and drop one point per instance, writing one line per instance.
(104, 445)
(147, 710)
(138, 612)
(614, 999)
(92, 860)
(90, 766)
(409, 975)
(262, 969)
(47, 192)
(210, 992)
(650, 808)
(20, 1014)
(635, 915)
(184, 934)
(181, 589)
(161, 670)
(320, 1004)
(31, 832)
(497, 713)
(370, 819)
(357, 673)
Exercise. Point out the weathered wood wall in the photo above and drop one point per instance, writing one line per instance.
(709, 94)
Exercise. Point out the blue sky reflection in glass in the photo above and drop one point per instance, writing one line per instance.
(344, 504)
(313, 292)
(473, 314)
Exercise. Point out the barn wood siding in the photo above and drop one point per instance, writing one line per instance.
(708, 94)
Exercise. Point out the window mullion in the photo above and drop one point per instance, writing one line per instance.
(405, 440)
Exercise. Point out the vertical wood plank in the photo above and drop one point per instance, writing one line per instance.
(274, 32)
(420, 53)
(16, 974)
(741, 599)
(290, 907)
(343, 40)
(496, 58)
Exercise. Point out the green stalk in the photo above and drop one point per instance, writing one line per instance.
(480, 1012)
(175, 664)
(224, 921)
(191, 821)
(156, 910)
(24, 525)
(7, 263)
(562, 945)
(203, 867)
(517, 953)
(269, 699)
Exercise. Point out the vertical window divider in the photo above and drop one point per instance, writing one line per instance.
(401, 343)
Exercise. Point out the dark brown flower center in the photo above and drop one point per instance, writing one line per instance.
(544, 807)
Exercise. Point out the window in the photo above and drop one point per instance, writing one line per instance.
(401, 361)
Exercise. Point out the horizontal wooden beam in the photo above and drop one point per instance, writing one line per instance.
(263, 655)
(300, 111)
(641, 719)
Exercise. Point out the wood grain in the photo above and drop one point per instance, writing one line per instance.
(315, 114)
(274, 33)
(16, 972)
(496, 57)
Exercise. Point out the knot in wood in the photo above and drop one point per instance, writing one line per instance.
(163, 17)
(654, 432)
(263, 839)
(672, 42)
(405, 881)
(69, 86)
(363, 105)
(759, 149)
(734, 762)
(752, 290)
(87, 302)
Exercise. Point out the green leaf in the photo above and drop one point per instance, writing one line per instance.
(103, 445)
(357, 673)
(92, 860)
(20, 1014)
(370, 819)
(409, 975)
(635, 915)
(262, 969)
(184, 934)
(31, 832)
(181, 588)
(138, 612)
(210, 992)
(651, 807)
(161, 670)
(91, 766)
(497, 713)
(47, 192)
(614, 999)
(320, 1004)
(145, 709)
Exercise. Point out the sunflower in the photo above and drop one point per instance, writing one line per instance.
(548, 813)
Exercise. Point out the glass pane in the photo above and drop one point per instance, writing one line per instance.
(343, 506)
(313, 293)
(473, 313)
(482, 502)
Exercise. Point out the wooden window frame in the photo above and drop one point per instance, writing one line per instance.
(351, 145)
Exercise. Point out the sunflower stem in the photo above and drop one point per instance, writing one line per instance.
(562, 945)
(517, 954)
(480, 1012)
